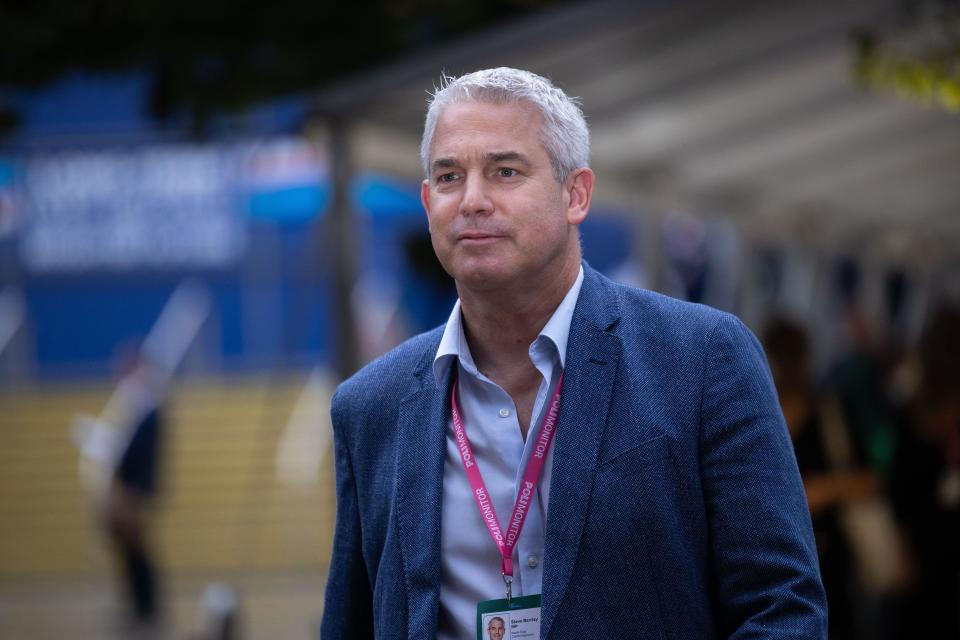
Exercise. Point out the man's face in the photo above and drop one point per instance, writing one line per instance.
(497, 214)
(495, 629)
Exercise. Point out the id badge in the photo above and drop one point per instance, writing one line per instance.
(520, 620)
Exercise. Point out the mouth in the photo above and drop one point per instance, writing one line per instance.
(478, 237)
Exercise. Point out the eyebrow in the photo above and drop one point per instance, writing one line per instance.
(504, 156)
(497, 156)
(444, 163)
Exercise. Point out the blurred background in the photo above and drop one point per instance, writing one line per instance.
(209, 215)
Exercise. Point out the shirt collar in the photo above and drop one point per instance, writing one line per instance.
(453, 344)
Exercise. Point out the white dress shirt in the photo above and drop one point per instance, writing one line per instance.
(469, 556)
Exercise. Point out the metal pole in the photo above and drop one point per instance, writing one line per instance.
(341, 241)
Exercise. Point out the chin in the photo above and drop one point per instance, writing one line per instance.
(482, 277)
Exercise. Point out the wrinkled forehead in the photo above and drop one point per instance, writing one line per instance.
(512, 120)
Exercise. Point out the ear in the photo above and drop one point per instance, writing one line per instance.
(579, 187)
(425, 198)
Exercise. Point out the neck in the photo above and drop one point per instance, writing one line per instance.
(500, 325)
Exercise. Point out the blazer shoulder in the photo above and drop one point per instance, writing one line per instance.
(391, 375)
(694, 338)
(667, 314)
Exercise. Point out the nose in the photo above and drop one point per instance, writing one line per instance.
(476, 200)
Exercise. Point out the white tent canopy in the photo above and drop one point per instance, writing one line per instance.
(739, 108)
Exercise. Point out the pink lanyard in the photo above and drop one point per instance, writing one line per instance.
(531, 476)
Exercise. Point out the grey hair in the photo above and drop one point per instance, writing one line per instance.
(564, 133)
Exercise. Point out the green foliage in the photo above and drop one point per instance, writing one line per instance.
(932, 78)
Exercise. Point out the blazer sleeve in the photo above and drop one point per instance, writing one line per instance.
(348, 606)
(767, 582)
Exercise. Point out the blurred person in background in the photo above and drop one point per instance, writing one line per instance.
(833, 476)
(926, 482)
(860, 377)
(137, 414)
(429, 291)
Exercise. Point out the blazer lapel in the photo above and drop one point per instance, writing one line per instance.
(590, 368)
(421, 437)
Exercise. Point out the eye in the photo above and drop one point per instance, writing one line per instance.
(447, 178)
(506, 172)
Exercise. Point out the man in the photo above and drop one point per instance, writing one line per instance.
(495, 628)
(137, 408)
(669, 504)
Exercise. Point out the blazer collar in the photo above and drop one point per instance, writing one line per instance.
(593, 353)
(421, 442)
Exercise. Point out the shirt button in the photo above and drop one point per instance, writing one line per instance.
(504, 413)
(532, 562)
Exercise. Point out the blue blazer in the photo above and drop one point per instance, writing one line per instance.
(676, 508)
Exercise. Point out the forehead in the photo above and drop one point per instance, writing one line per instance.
(471, 127)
